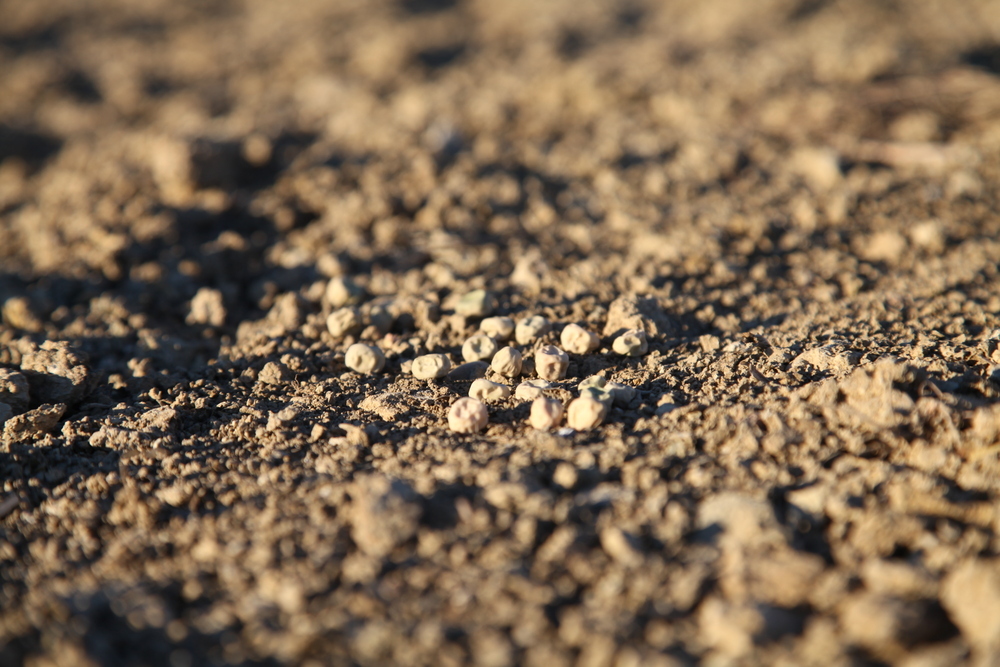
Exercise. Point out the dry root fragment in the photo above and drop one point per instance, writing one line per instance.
(531, 389)
(585, 413)
(430, 366)
(507, 362)
(467, 415)
(489, 392)
(577, 340)
(546, 413)
(498, 328)
(364, 359)
(343, 321)
(551, 363)
(479, 348)
(531, 329)
(631, 343)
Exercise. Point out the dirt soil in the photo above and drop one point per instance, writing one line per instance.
(797, 200)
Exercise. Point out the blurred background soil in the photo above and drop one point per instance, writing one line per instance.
(797, 199)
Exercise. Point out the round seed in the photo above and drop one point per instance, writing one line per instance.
(430, 366)
(342, 321)
(529, 330)
(577, 340)
(551, 363)
(632, 343)
(478, 348)
(598, 381)
(598, 394)
(488, 392)
(364, 359)
(529, 390)
(546, 413)
(342, 291)
(621, 393)
(507, 362)
(476, 303)
(467, 415)
(498, 328)
(585, 413)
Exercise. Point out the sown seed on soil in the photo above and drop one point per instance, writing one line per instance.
(621, 393)
(380, 318)
(529, 390)
(577, 340)
(342, 321)
(546, 413)
(364, 359)
(529, 330)
(341, 291)
(598, 381)
(632, 343)
(585, 413)
(551, 363)
(488, 392)
(498, 328)
(430, 366)
(598, 394)
(479, 347)
(467, 415)
(476, 303)
(507, 362)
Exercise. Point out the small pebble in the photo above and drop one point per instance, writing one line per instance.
(479, 348)
(529, 390)
(551, 363)
(430, 366)
(632, 343)
(476, 303)
(529, 330)
(546, 413)
(343, 321)
(498, 328)
(342, 291)
(577, 340)
(585, 413)
(507, 362)
(467, 415)
(364, 359)
(488, 392)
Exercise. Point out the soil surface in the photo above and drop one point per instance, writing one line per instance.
(796, 201)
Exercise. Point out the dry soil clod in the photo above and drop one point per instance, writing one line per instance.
(488, 392)
(507, 362)
(577, 340)
(467, 415)
(430, 366)
(364, 359)
(479, 348)
(585, 413)
(551, 363)
(632, 343)
(343, 321)
(546, 413)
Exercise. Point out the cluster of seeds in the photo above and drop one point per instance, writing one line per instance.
(491, 350)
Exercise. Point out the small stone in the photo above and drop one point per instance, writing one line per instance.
(622, 394)
(498, 328)
(467, 415)
(275, 373)
(529, 390)
(529, 330)
(479, 348)
(489, 392)
(546, 413)
(13, 389)
(472, 370)
(551, 363)
(507, 362)
(430, 366)
(632, 343)
(585, 413)
(343, 321)
(342, 291)
(476, 303)
(577, 340)
(364, 359)
(207, 307)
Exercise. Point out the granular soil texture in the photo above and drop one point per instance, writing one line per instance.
(796, 200)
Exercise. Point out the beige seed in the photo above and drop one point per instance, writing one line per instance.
(498, 328)
(529, 330)
(476, 303)
(598, 381)
(551, 363)
(632, 343)
(467, 415)
(341, 291)
(546, 413)
(364, 359)
(479, 348)
(488, 392)
(529, 390)
(577, 340)
(621, 393)
(342, 321)
(585, 413)
(430, 366)
(507, 362)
